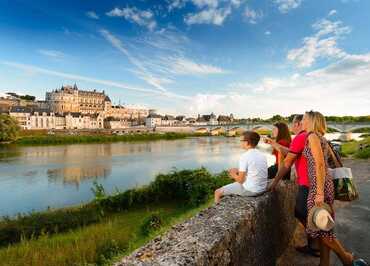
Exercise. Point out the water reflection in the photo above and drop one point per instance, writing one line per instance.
(34, 178)
(75, 175)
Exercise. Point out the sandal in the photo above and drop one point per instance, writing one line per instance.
(308, 251)
(359, 262)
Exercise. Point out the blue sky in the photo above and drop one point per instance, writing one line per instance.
(246, 57)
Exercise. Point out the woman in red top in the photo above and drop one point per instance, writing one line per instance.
(282, 136)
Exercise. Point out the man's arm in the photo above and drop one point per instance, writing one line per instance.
(284, 150)
(283, 170)
(238, 176)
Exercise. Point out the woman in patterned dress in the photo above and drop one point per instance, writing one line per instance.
(321, 187)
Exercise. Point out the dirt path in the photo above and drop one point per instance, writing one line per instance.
(352, 222)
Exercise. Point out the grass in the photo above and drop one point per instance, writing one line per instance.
(352, 148)
(74, 139)
(109, 226)
(266, 132)
(97, 244)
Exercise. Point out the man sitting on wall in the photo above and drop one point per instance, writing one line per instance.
(251, 177)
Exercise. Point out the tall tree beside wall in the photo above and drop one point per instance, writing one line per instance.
(9, 128)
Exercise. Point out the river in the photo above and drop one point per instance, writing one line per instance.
(33, 178)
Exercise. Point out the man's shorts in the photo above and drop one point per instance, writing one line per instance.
(238, 189)
(300, 210)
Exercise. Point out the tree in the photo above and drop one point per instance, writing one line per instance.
(9, 128)
(28, 97)
(277, 118)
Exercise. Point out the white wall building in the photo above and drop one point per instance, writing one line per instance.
(153, 120)
(169, 120)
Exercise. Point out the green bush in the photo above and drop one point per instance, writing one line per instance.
(68, 139)
(9, 128)
(188, 187)
(107, 250)
(49, 222)
(151, 223)
(363, 154)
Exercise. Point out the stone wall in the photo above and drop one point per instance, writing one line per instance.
(237, 231)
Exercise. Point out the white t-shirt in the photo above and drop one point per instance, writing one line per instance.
(254, 163)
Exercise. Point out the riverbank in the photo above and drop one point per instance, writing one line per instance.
(352, 222)
(60, 139)
(356, 149)
(108, 226)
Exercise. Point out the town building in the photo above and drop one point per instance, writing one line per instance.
(169, 120)
(76, 120)
(206, 120)
(224, 119)
(115, 123)
(153, 120)
(126, 113)
(22, 115)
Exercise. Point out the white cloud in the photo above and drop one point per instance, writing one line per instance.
(285, 6)
(236, 3)
(51, 53)
(183, 66)
(211, 11)
(92, 14)
(252, 16)
(141, 17)
(159, 70)
(322, 44)
(174, 4)
(215, 16)
(267, 32)
(332, 12)
(164, 53)
(142, 70)
(342, 88)
(205, 3)
(39, 70)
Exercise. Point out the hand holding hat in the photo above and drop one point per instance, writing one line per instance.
(319, 218)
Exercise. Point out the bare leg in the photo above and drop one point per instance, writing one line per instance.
(345, 256)
(324, 254)
(218, 194)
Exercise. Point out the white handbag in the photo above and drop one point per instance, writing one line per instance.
(341, 172)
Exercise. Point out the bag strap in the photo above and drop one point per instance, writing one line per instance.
(337, 162)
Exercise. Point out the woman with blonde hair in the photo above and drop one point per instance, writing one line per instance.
(321, 189)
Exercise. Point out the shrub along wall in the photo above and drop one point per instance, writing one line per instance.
(238, 231)
(189, 187)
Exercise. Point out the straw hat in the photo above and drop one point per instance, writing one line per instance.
(319, 218)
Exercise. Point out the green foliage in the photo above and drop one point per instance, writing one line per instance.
(363, 154)
(348, 119)
(362, 130)
(98, 191)
(191, 188)
(151, 223)
(108, 249)
(97, 244)
(353, 148)
(277, 118)
(331, 130)
(27, 97)
(72, 139)
(48, 222)
(9, 128)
